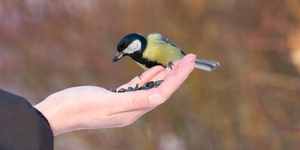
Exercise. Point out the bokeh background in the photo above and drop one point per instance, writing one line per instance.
(251, 102)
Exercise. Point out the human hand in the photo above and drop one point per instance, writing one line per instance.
(90, 107)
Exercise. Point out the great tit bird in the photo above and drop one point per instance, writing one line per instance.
(153, 49)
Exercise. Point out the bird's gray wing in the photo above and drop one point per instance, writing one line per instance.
(163, 39)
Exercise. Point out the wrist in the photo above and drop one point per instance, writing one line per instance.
(42, 116)
(51, 110)
(43, 110)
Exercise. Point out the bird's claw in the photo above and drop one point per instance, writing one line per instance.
(139, 75)
(170, 64)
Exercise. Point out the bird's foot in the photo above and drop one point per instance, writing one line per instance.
(170, 64)
(139, 75)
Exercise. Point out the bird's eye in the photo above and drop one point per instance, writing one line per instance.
(123, 46)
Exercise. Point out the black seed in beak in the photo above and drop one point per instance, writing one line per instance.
(117, 57)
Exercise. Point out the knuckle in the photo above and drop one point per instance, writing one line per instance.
(137, 102)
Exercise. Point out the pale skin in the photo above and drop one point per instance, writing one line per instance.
(92, 107)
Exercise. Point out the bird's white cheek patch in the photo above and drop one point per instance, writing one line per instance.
(133, 47)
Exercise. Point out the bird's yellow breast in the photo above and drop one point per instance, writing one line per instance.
(160, 51)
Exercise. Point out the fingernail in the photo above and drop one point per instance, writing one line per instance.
(156, 99)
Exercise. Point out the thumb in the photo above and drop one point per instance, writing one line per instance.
(138, 100)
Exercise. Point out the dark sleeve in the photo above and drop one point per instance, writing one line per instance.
(22, 127)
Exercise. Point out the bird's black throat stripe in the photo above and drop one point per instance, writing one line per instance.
(148, 63)
(144, 61)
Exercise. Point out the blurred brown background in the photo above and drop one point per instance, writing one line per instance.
(251, 102)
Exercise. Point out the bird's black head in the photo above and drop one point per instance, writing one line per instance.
(132, 45)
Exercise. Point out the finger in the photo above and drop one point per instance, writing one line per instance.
(171, 83)
(145, 77)
(164, 73)
(136, 100)
(168, 72)
(188, 58)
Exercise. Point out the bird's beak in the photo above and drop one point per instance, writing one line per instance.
(118, 56)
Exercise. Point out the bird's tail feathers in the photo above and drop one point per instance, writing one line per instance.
(206, 65)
